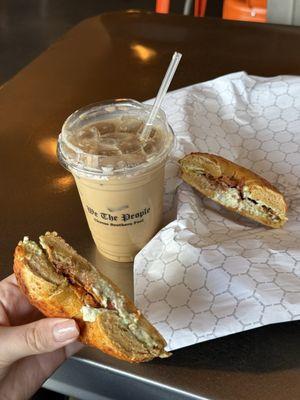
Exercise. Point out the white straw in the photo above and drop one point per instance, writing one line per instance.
(160, 95)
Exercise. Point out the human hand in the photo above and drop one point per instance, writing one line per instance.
(31, 347)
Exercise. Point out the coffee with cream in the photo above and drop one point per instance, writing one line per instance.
(119, 177)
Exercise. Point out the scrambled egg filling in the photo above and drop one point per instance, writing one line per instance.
(90, 314)
(237, 198)
(232, 198)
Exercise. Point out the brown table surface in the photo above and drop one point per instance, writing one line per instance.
(125, 54)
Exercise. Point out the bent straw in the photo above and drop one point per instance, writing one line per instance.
(160, 95)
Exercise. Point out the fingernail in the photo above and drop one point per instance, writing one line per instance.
(66, 330)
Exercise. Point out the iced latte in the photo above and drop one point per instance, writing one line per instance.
(119, 177)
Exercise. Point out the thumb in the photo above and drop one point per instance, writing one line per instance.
(41, 336)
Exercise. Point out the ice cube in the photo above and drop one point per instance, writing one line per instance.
(110, 142)
(152, 133)
(130, 124)
(90, 147)
(112, 135)
(87, 140)
(108, 151)
(133, 160)
(109, 162)
(129, 147)
(106, 127)
(94, 130)
(150, 147)
(87, 134)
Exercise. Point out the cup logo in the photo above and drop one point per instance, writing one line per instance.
(119, 219)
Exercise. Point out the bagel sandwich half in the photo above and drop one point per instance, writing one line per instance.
(235, 188)
(61, 283)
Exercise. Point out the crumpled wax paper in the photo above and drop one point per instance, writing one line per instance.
(209, 272)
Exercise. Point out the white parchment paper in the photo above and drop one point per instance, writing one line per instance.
(209, 273)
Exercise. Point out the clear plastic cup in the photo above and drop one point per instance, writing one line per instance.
(120, 180)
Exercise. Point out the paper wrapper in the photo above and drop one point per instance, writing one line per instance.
(209, 272)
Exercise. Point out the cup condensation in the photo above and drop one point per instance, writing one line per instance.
(122, 200)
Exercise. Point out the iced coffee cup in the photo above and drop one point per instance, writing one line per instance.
(120, 178)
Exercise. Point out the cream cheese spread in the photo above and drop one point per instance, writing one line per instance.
(90, 314)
